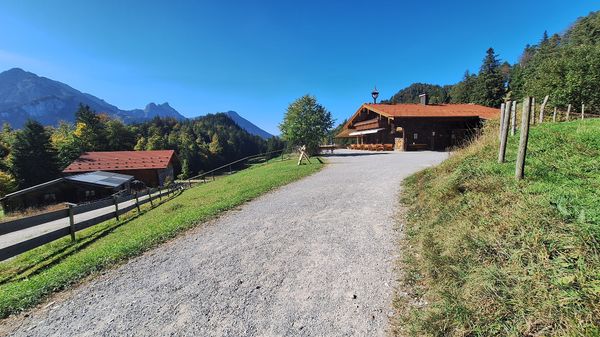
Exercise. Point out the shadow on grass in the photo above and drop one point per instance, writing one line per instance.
(59, 254)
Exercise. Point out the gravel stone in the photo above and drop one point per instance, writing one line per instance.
(313, 258)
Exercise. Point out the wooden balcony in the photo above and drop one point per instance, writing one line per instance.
(374, 123)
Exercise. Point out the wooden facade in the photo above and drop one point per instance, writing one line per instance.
(407, 127)
(74, 189)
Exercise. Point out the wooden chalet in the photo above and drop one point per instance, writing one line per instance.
(153, 168)
(405, 127)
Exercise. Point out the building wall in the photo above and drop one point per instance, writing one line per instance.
(436, 134)
(60, 192)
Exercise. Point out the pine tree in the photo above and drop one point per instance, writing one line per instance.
(490, 86)
(92, 135)
(463, 91)
(34, 159)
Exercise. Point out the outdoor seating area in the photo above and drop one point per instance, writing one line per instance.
(372, 147)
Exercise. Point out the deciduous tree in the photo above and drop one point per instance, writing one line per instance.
(306, 122)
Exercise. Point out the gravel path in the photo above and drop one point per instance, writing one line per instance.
(314, 258)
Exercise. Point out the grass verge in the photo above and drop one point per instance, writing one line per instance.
(27, 279)
(486, 255)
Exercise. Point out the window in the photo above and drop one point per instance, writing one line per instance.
(416, 136)
(90, 193)
(49, 197)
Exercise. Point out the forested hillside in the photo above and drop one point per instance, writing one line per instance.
(437, 94)
(564, 66)
(201, 144)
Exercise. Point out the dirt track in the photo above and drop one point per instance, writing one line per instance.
(314, 258)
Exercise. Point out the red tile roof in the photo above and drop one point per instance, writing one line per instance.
(121, 161)
(434, 110)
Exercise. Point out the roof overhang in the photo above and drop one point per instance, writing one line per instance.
(365, 132)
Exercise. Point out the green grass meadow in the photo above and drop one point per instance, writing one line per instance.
(487, 255)
(30, 277)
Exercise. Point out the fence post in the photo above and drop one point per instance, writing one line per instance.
(502, 116)
(520, 166)
(582, 110)
(513, 118)
(71, 222)
(504, 132)
(532, 111)
(230, 172)
(542, 109)
(189, 183)
(568, 112)
(116, 207)
(150, 197)
(554, 115)
(137, 202)
(160, 194)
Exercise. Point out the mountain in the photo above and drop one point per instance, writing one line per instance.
(247, 125)
(25, 95)
(152, 110)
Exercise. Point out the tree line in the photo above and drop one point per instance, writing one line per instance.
(564, 66)
(36, 154)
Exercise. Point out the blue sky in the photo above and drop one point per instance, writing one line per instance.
(255, 57)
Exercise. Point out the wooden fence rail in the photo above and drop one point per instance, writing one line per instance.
(72, 226)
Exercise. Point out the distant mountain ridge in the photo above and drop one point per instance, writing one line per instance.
(25, 95)
(247, 125)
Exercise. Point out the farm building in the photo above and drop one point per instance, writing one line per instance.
(406, 127)
(153, 168)
(74, 189)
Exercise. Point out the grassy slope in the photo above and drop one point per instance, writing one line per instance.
(27, 279)
(489, 255)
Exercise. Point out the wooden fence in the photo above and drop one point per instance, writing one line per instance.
(508, 112)
(68, 214)
(72, 226)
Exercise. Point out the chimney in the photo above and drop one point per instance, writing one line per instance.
(424, 99)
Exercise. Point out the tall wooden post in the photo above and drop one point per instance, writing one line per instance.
(115, 201)
(532, 111)
(513, 118)
(568, 112)
(582, 110)
(504, 132)
(502, 112)
(554, 115)
(542, 109)
(71, 222)
(524, 138)
(150, 197)
(137, 202)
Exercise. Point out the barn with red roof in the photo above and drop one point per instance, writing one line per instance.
(153, 168)
(405, 127)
